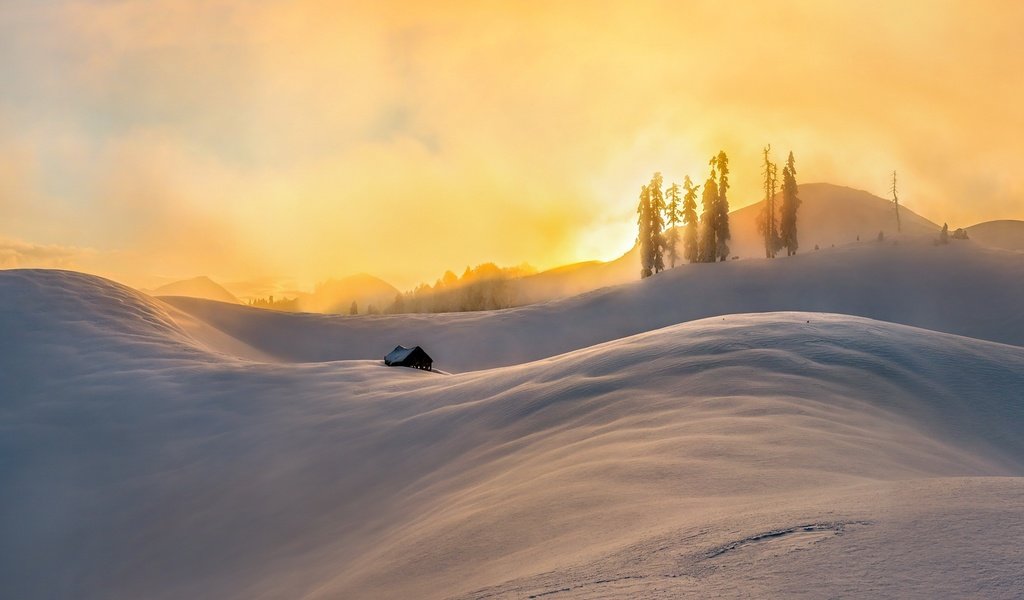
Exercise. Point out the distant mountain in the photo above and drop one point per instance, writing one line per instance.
(1006, 234)
(197, 287)
(829, 214)
(569, 280)
(336, 295)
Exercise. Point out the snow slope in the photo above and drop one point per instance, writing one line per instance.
(959, 288)
(777, 454)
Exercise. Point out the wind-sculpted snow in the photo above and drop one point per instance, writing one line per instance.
(959, 289)
(777, 454)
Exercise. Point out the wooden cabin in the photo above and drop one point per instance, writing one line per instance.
(414, 357)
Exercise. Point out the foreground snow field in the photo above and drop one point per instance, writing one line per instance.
(775, 454)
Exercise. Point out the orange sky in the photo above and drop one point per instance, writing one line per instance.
(281, 143)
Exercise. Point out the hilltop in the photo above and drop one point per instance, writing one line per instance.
(197, 287)
(1007, 234)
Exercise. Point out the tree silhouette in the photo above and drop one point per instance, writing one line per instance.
(767, 223)
(790, 204)
(673, 215)
(721, 220)
(657, 243)
(353, 309)
(690, 245)
(896, 202)
(708, 246)
(643, 221)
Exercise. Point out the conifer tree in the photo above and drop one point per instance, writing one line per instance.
(944, 234)
(657, 208)
(673, 215)
(790, 204)
(721, 220)
(689, 215)
(643, 220)
(767, 225)
(708, 246)
(353, 309)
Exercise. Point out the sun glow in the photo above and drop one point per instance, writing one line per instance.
(305, 140)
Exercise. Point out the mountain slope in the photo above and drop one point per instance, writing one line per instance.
(959, 288)
(736, 458)
(829, 214)
(197, 287)
(1006, 234)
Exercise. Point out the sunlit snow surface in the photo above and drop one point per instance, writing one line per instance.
(748, 455)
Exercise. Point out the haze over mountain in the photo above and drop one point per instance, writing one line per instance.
(1007, 234)
(829, 214)
(335, 296)
(197, 287)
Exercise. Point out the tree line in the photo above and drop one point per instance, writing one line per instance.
(484, 287)
(779, 227)
(705, 238)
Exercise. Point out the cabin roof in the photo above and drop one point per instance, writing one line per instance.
(401, 353)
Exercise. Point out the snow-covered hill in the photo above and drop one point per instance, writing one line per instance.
(1007, 234)
(197, 287)
(776, 454)
(959, 288)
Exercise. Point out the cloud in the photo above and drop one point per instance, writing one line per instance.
(249, 139)
(16, 254)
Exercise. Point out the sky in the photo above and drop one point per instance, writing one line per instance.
(274, 144)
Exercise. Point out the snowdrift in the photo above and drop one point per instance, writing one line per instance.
(960, 288)
(794, 454)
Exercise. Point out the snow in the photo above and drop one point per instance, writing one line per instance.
(1007, 234)
(959, 288)
(775, 454)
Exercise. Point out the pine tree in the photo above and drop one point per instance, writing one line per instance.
(689, 215)
(790, 204)
(708, 246)
(353, 309)
(673, 214)
(944, 234)
(722, 235)
(767, 224)
(643, 220)
(657, 243)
